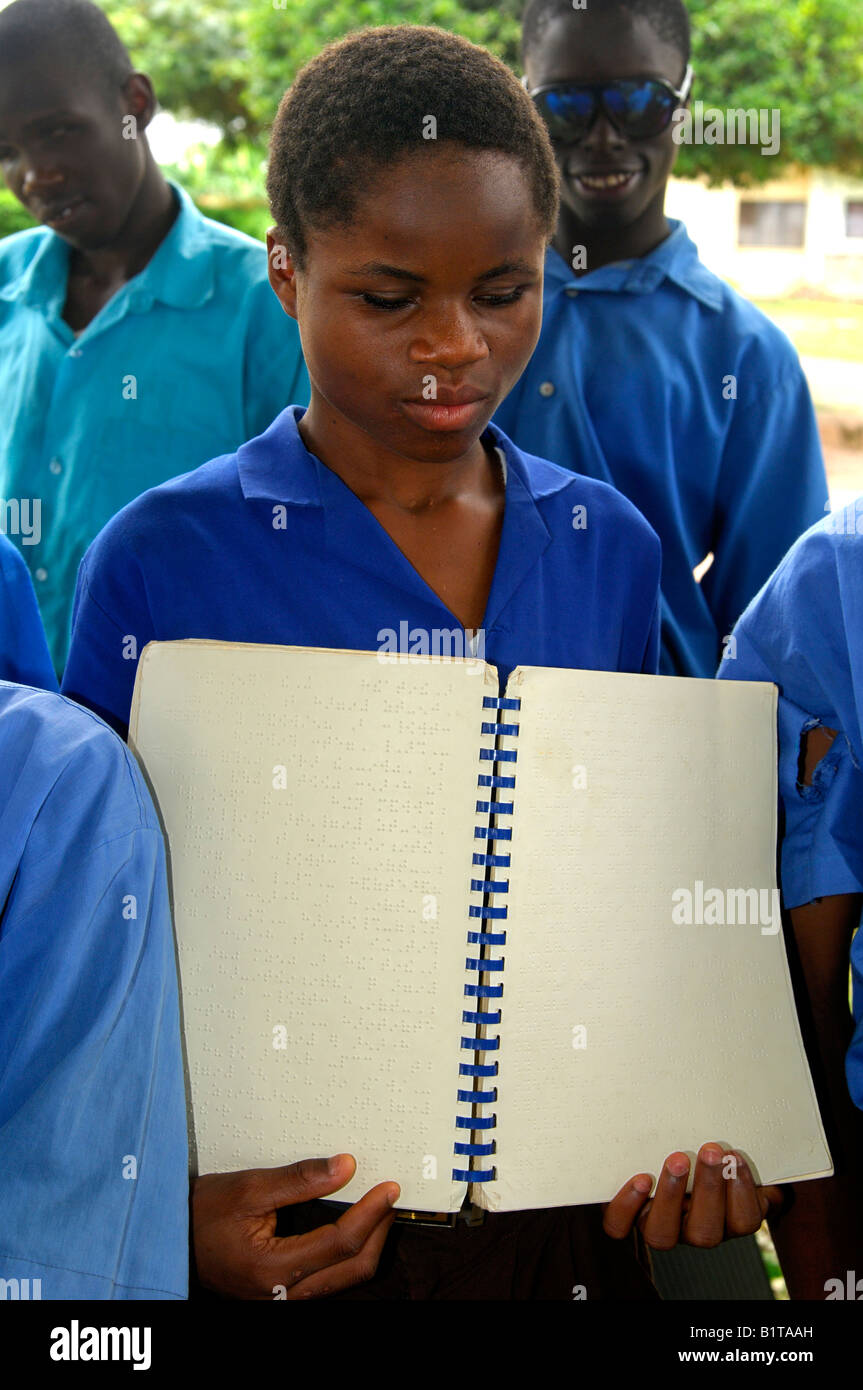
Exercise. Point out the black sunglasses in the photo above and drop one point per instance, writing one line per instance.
(637, 108)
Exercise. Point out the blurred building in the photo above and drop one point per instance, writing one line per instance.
(801, 232)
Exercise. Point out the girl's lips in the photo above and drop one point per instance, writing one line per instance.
(432, 415)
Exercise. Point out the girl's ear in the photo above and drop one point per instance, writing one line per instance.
(282, 272)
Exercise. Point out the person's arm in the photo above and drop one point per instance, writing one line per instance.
(650, 664)
(24, 657)
(103, 655)
(821, 1236)
(93, 1152)
(772, 485)
(797, 634)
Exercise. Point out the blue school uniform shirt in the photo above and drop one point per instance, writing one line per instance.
(189, 358)
(654, 375)
(23, 650)
(93, 1151)
(804, 632)
(269, 545)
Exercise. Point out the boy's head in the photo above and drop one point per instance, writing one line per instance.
(67, 88)
(609, 179)
(414, 190)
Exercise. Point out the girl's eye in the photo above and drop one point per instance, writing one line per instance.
(379, 303)
(493, 301)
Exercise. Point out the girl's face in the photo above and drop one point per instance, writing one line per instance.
(418, 318)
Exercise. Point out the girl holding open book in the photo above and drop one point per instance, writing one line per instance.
(415, 192)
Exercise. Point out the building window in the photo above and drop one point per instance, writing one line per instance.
(854, 217)
(771, 224)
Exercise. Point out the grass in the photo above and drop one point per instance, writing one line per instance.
(819, 327)
(771, 1263)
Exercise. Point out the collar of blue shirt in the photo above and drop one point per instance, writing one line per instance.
(277, 467)
(675, 258)
(180, 274)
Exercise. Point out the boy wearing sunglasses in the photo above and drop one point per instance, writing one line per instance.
(651, 373)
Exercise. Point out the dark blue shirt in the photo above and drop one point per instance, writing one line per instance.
(269, 545)
(654, 375)
(23, 648)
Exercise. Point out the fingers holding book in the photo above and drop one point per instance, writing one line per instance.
(724, 1202)
(238, 1255)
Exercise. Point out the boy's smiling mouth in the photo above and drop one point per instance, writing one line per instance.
(604, 183)
(61, 211)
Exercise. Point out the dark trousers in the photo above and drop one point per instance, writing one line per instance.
(558, 1253)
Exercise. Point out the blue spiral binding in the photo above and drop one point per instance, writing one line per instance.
(489, 830)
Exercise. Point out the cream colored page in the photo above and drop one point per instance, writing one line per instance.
(625, 1034)
(319, 809)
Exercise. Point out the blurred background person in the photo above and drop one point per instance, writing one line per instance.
(651, 373)
(109, 308)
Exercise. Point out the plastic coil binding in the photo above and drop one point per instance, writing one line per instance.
(486, 936)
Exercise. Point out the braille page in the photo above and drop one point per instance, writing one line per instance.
(319, 808)
(633, 1022)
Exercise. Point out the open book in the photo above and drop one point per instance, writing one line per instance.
(524, 945)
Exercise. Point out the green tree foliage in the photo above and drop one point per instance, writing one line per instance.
(230, 63)
(803, 58)
(13, 218)
(281, 41)
(197, 54)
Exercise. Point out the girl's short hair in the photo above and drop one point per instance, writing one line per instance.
(381, 94)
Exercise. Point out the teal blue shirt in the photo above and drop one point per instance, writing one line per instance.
(186, 361)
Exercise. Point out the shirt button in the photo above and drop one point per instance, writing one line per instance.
(55, 466)
(546, 388)
(573, 294)
(41, 575)
(76, 352)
